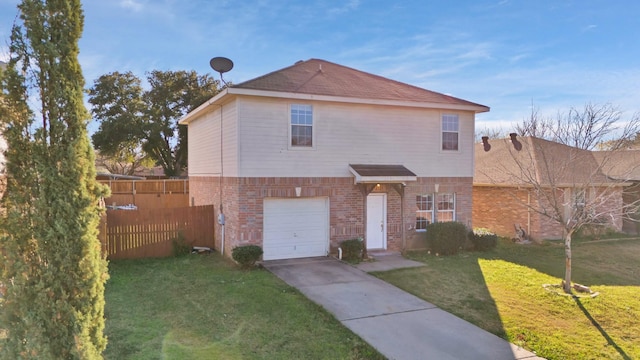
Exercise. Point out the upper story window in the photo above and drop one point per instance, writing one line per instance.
(301, 125)
(450, 132)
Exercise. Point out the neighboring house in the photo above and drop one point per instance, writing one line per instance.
(624, 165)
(510, 184)
(305, 157)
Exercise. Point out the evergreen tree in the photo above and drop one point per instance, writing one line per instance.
(53, 269)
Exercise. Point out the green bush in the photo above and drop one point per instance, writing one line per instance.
(352, 250)
(483, 239)
(246, 255)
(446, 238)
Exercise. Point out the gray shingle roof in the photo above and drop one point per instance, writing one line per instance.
(320, 77)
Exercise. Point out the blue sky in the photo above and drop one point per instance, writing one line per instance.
(505, 54)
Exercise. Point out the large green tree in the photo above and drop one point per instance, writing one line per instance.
(136, 122)
(52, 266)
(117, 101)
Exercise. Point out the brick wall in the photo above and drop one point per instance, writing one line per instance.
(243, 205)
(500, 208)
(631, 195)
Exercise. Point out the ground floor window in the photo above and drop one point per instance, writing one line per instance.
(446, 207)
(443, 209)
(424, 211)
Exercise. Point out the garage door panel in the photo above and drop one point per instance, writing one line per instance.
(295, 228)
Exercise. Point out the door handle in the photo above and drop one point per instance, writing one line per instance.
(382, 227)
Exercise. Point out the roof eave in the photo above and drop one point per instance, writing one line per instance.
(309, 97)
(192, 115)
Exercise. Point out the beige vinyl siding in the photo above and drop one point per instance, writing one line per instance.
(204, 142)
(349, 133)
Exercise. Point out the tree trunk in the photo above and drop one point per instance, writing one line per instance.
(567, 271)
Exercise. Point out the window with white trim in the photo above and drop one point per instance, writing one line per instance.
(424, 211)
(301, 125)
(450, 132)
(579, 201)
(446, 205)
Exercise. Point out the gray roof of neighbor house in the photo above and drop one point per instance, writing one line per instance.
(620, 164)
(323, 80)
(540, 162)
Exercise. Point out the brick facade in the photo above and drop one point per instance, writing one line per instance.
(242, 200)
(500, 208)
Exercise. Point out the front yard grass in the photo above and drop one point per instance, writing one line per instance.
(501, 291)
(204, 307)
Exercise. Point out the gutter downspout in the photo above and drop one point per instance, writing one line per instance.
(404, 240)
(221, 218)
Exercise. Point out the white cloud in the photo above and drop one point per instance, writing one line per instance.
(131, 4)
(348, 6)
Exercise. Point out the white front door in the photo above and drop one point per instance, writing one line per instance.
(376, 221)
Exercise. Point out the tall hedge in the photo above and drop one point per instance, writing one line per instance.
(53, 270)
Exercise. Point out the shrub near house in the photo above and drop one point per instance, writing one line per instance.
(483, 239)
(446, 238)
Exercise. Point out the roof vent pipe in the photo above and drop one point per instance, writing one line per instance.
(485, 143)
(516, 144)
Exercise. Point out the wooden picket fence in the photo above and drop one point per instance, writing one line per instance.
(134, 234)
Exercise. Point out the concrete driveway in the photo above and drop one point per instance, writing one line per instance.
(398, 324)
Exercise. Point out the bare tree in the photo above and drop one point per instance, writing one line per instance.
(570, 185)
(584, 128)
(536, 125)
(491, 133)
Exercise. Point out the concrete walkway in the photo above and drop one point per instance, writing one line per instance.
(398, 324)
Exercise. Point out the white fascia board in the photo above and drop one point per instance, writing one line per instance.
(310, 97)
(200, 109)
(383, 179)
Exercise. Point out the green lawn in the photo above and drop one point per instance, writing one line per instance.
(501, 291)
(204, 307)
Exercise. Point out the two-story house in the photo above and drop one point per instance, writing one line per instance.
(305, 157)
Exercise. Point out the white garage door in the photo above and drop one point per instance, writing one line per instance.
(295, 228)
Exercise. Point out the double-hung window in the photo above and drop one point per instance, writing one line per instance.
(446, 207)
(450, 132)
(434, 207)
(301, 125)
(579, 201)
(424, 211)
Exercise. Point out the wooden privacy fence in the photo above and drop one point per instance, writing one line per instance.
(180, 186)
(148, 194)
(134, 234)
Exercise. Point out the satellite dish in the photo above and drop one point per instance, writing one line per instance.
(221, 64)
